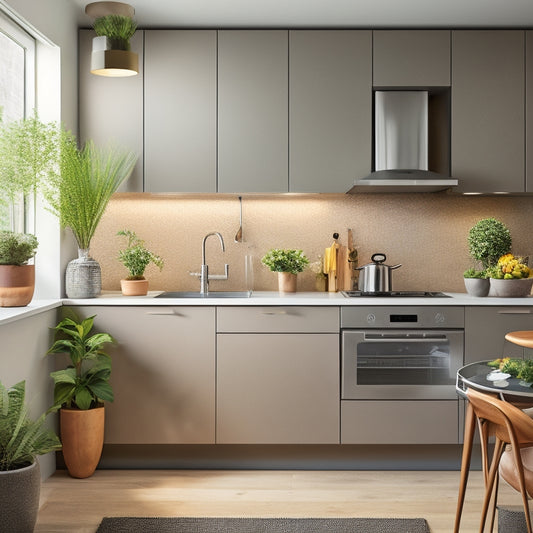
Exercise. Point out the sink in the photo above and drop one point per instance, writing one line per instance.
(210, 294)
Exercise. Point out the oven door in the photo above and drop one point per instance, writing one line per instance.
(400, 364)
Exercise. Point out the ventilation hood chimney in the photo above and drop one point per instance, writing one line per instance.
(401, 146)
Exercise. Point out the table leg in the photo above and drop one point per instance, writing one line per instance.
(470, 426)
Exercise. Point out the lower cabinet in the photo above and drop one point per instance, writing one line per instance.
(486, 327)
(163, 373)
(278, 387)
(400, 422)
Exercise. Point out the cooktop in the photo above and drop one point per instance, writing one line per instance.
(392, 294)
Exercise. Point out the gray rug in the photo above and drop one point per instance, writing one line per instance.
(263, 525)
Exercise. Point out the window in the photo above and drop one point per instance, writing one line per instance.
(17, 100)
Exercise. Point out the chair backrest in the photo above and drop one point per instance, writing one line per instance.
(505, 417)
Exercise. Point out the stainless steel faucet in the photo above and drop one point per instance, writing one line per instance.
(204, 273)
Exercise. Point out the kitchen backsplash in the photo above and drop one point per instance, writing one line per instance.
(426, 233)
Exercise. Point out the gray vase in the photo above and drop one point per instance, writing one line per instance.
(19, 498)
(83, 278)
(477, 286)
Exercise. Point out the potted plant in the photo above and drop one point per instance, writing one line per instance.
(21, 441)
(488, 240)
(17, 278)
(79, 393)
(135, 257)
(510, 277)
(118, 29)
(79, 197)
(476, 282)
(288, 263)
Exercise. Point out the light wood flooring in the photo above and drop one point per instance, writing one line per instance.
(78, 505)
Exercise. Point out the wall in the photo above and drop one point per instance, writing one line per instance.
(426, 233)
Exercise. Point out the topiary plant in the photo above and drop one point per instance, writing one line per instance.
(488, 240)
(17, 248)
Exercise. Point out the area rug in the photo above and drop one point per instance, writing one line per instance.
(263, 525)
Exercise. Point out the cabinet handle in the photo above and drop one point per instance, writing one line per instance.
(515, 312)
(164, 313)
(274, 313)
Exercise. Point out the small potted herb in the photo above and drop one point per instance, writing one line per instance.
(17, 278)
(288, 263)
(135, 257)
(476, 282)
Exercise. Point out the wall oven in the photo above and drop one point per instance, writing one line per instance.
(402, 352)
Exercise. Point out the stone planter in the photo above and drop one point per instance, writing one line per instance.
(477, 286)
(510, 288)
(19, 498)
(83, 278)
(17, 284)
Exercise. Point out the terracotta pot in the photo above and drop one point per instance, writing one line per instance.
(287, 282)
(134, 287)
(17, 284)
(82, 437)
(19, 498)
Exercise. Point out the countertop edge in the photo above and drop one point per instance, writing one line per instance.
(260, 298)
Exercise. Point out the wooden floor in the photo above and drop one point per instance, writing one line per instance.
(78, 505)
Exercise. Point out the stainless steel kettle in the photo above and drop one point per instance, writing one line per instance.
(375, 276)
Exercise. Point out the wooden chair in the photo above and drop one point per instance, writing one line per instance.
(513, 427)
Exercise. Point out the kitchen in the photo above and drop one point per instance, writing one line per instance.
(425, 232)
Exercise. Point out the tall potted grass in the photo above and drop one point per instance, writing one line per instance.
(79, 197)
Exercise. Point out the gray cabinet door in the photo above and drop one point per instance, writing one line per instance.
(277, 388)
(411, 58)
(111, 109)
(180, 110)
(485, 329)
(529, 111)
(252, 111)
(488, 110)
(163, 373)
(330, 109)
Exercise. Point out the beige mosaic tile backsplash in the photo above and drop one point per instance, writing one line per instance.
(426, 233)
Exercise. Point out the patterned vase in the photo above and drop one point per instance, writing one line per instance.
(83, 277)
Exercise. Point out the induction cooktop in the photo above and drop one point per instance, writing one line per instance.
(395, 294)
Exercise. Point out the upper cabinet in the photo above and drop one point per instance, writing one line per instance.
(253, 111)
(180, 99)
(330, 109)
(529, 111)
(411, 58)
(488, 92)
(111, 109)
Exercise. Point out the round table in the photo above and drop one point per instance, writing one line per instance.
(474, 376)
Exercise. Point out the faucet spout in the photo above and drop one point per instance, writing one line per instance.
(205, 239)
(204, 270)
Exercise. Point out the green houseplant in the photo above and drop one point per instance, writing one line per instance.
(79, 392)
(79, 197)
(17, 278)
(488, 239)
(119, 29)
(288, 263)
(136, 257)
(22, 439)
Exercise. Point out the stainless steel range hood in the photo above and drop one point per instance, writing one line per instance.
(401, 146)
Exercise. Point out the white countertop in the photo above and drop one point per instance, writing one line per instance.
(266, 298)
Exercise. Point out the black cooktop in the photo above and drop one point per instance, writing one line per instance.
(393, 294)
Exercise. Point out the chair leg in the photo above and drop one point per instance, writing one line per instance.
(520, 468)
(489, 486)
(468, 439)
(499, 446)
